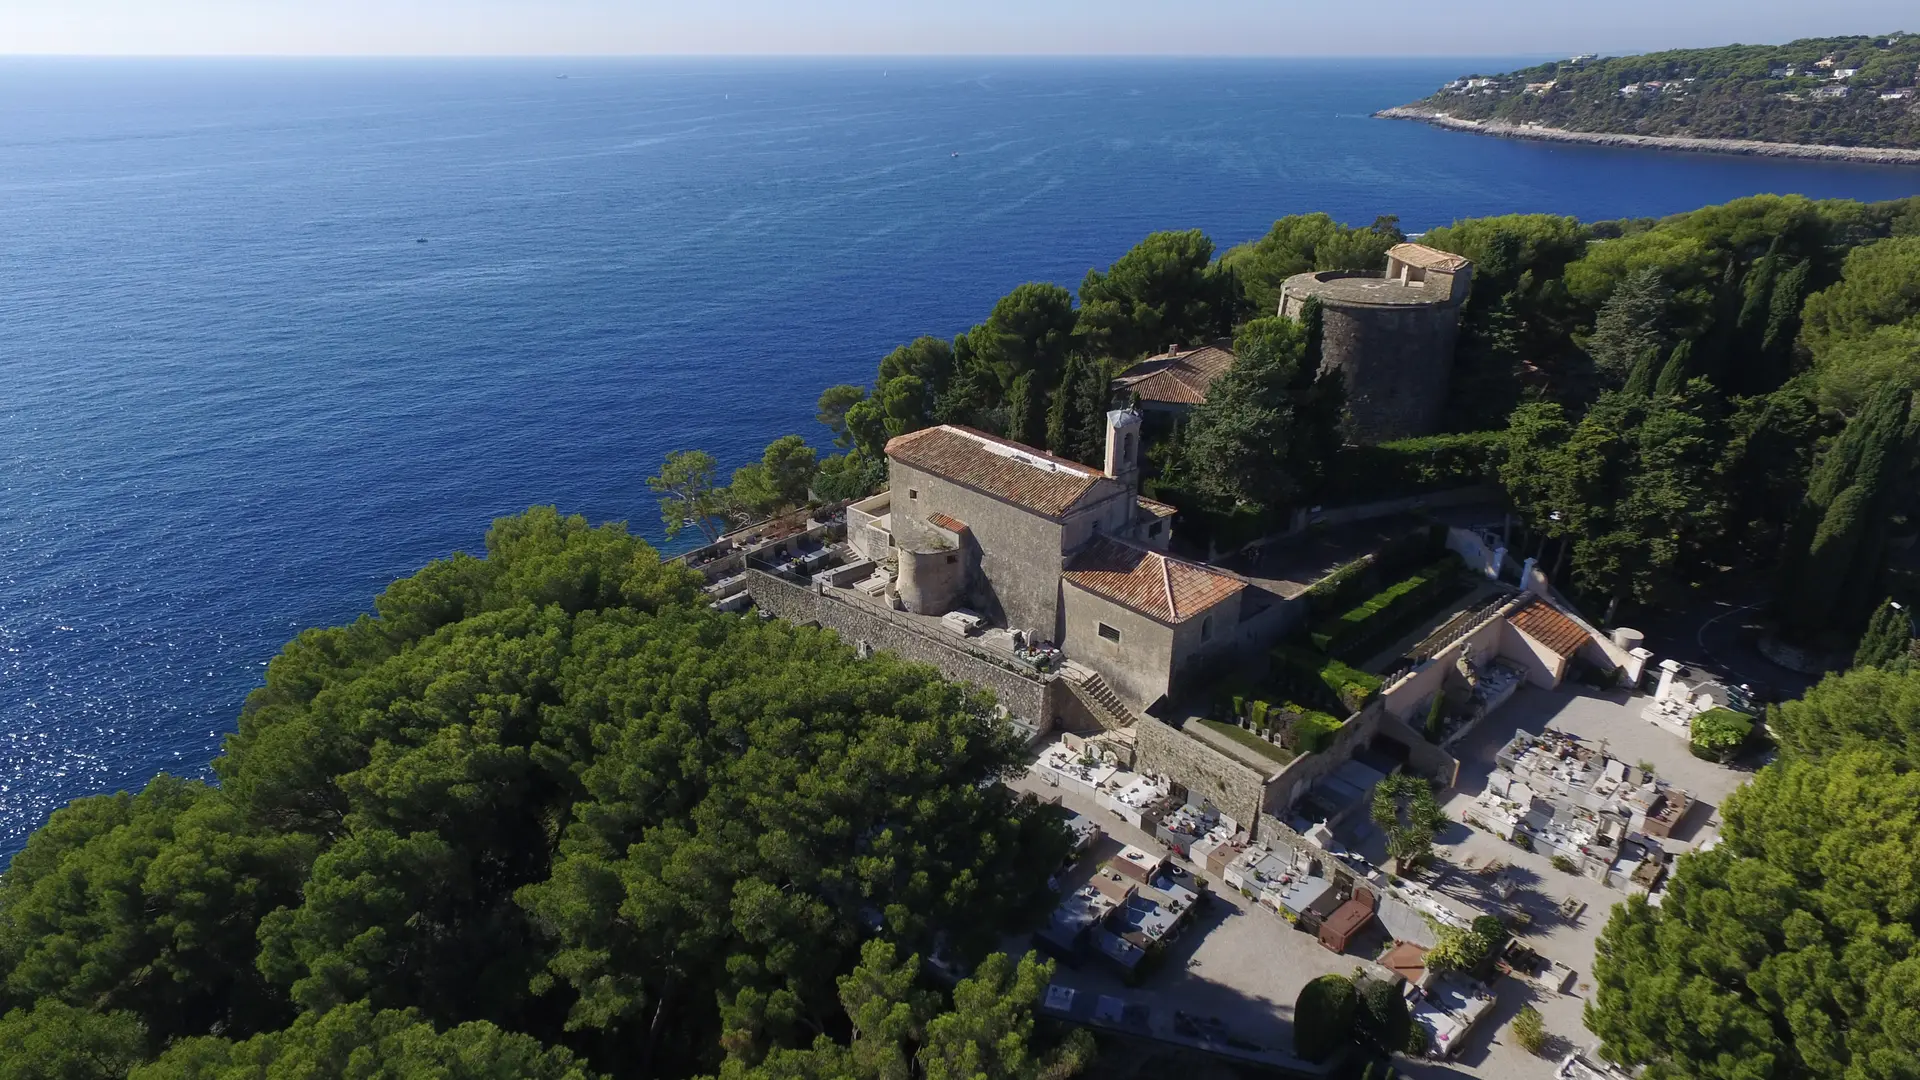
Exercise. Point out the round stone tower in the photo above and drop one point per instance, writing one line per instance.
(1391, 334)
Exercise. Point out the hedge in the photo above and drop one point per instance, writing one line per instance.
(1413, 466)
(1321, 681)
(1341, 589)
(1314, 731)
(1371, 623)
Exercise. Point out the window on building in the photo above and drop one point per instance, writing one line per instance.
(953, 558)
(1206, 628)
(1153, 529)
(1126, 449)
(913, 493)
(1109, 632)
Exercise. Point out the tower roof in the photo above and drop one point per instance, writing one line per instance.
(1427, 258)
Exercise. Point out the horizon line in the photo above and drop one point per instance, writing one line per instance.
(763, 56)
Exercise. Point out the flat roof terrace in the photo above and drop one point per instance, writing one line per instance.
(1366, 289)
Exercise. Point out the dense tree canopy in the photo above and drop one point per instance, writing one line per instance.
(1301, 243)
(1787, 952)
(1776, 93)
(1269, 427)
(543, 801)
(1166, 291)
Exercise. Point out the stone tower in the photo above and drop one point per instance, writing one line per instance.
(1123, 447)
(1391, 334)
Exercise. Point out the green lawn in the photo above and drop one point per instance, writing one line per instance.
(1253, 742)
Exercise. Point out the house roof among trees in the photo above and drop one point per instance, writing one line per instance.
(1160, 586)
(1544, 624)
(1029, 478)
(1179, 376)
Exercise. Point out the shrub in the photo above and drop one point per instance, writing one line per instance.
(1718, 734)
(1418, 1040)
(1455, 949)
(1323, 1017)
(1341, 589)
(1314, 731)
(1412, 466)
(1382, 1017)
(1564, 864)
(1437, 718)
(1529, 1030)
(1523, 841)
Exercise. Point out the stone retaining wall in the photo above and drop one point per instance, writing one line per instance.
(1235, 788)
(1029, 697)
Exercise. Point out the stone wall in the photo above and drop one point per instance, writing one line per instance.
(1422, 756)
(1397, 360)
(1017, 584)
(1139, 666)
(1307, 769)
(1027, 696)
(1236, 789)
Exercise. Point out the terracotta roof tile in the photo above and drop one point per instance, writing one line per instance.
(1178, 378)
(1426, 258)
(951, 524)
(1168, 589)
(1156, 509)
(1544, 624)
(1029, 478)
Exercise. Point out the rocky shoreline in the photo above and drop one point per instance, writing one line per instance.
(1502, 129)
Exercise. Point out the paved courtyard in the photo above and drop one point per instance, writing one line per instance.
(1238, 962)
(1595, 716)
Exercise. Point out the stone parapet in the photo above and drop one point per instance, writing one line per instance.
(1028, 696)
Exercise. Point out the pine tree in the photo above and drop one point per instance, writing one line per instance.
(1673, 377)
(1633, 320)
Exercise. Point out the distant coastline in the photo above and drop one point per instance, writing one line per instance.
(1752, 147)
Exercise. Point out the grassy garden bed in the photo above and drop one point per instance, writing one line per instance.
(1272, 751)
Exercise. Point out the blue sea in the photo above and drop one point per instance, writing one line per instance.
(274, 333)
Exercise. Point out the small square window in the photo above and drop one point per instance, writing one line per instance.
(1109, 632)
(1153, 529)
(953, 558)
(913, 493)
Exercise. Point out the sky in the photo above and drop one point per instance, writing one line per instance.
(910, 27)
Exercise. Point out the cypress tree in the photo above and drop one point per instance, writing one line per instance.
(1024, 424)
(1889, 633)
(1757, 299)
(1832, 564)
(1673, 377)
(1313, 321)
(1060, 411)
(1783, 327)
(1640, 379)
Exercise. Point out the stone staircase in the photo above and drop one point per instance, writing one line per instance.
(1099, 698)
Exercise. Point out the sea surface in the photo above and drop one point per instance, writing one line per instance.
(274, 333)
